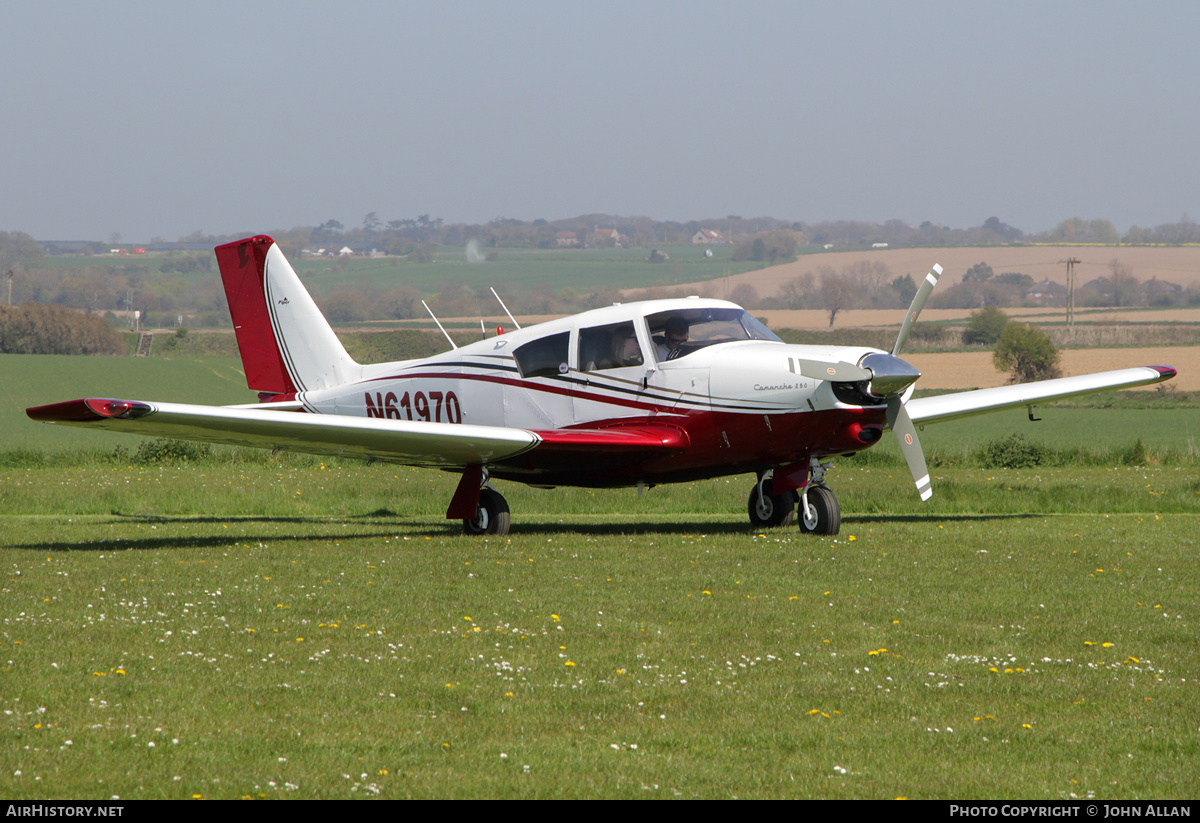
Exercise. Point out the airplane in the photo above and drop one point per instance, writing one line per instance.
(631, 395)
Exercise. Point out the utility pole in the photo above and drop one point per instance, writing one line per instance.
(10, 278)
(1071, 261)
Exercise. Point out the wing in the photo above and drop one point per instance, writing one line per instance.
(982, 401)
(438, 445)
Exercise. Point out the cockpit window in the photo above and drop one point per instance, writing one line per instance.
(544, 357)
(678, 333)
(609, 347)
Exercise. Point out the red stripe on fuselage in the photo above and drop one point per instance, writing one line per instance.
(691, 398)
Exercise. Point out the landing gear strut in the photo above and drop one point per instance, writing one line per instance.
(492, 515)
(769, 511)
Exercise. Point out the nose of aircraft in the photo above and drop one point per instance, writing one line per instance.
(889, 374)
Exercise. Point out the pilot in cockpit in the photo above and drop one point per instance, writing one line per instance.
(674, 336)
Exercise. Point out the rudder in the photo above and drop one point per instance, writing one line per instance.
(287, 346)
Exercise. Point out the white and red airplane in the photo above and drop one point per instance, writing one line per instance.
(661, 391)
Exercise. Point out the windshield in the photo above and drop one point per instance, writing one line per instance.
(680, 332)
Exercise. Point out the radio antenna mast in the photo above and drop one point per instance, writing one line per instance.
(453, 345)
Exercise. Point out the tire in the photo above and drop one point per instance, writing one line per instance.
(773, 510)
(826, 514)
(491, 517)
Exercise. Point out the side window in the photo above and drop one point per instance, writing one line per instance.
(609, 347)
(545, 357)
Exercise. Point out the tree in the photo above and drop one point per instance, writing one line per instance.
(834, 294)
(1026, 353)
(980, 271)
(1124, 284)
(905, 288)
(17, 249)
(1004, 230)
(985, 325)
(36, 329)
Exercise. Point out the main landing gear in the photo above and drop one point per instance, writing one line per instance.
(769, 511)
(818, 508)
(491, 517)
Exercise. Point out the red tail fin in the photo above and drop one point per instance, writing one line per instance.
(242, 266)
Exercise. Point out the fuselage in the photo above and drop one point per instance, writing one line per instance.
(735, 391)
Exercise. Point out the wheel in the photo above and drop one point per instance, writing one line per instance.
(823, 515)
(770, 511)
(492, 515)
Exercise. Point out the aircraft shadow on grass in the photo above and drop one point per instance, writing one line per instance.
(384, 518)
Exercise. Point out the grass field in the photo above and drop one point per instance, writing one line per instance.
(255, 626)
(309, 629)
(36, 379)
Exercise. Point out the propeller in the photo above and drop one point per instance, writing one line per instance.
(888, 374)
(918, 303)
(891, 377)
(887, 377)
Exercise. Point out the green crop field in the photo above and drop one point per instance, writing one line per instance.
(36, 380)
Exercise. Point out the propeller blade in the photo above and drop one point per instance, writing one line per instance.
(834, 370)
(918, 303)
(910, 446)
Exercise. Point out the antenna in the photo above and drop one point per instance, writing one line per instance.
(506, 311)
(453, 345)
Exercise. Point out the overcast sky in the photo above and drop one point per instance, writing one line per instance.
(159, 119)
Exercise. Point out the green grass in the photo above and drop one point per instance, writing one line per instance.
(308, 629)
(291, 627)
(1165, 430)
(36, 380)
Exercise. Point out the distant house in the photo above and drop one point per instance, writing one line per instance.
(566, 239)
(604, 237)
(71, 246)
(707, 236)
(879, 245)
(1158, 289)
(1047, 293)
(158, 248)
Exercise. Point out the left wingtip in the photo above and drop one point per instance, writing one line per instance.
(87, 410)
(1165, 372)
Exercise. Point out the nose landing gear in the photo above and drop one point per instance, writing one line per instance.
(819, 512)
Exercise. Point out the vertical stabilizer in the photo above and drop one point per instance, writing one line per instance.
(287, 346)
